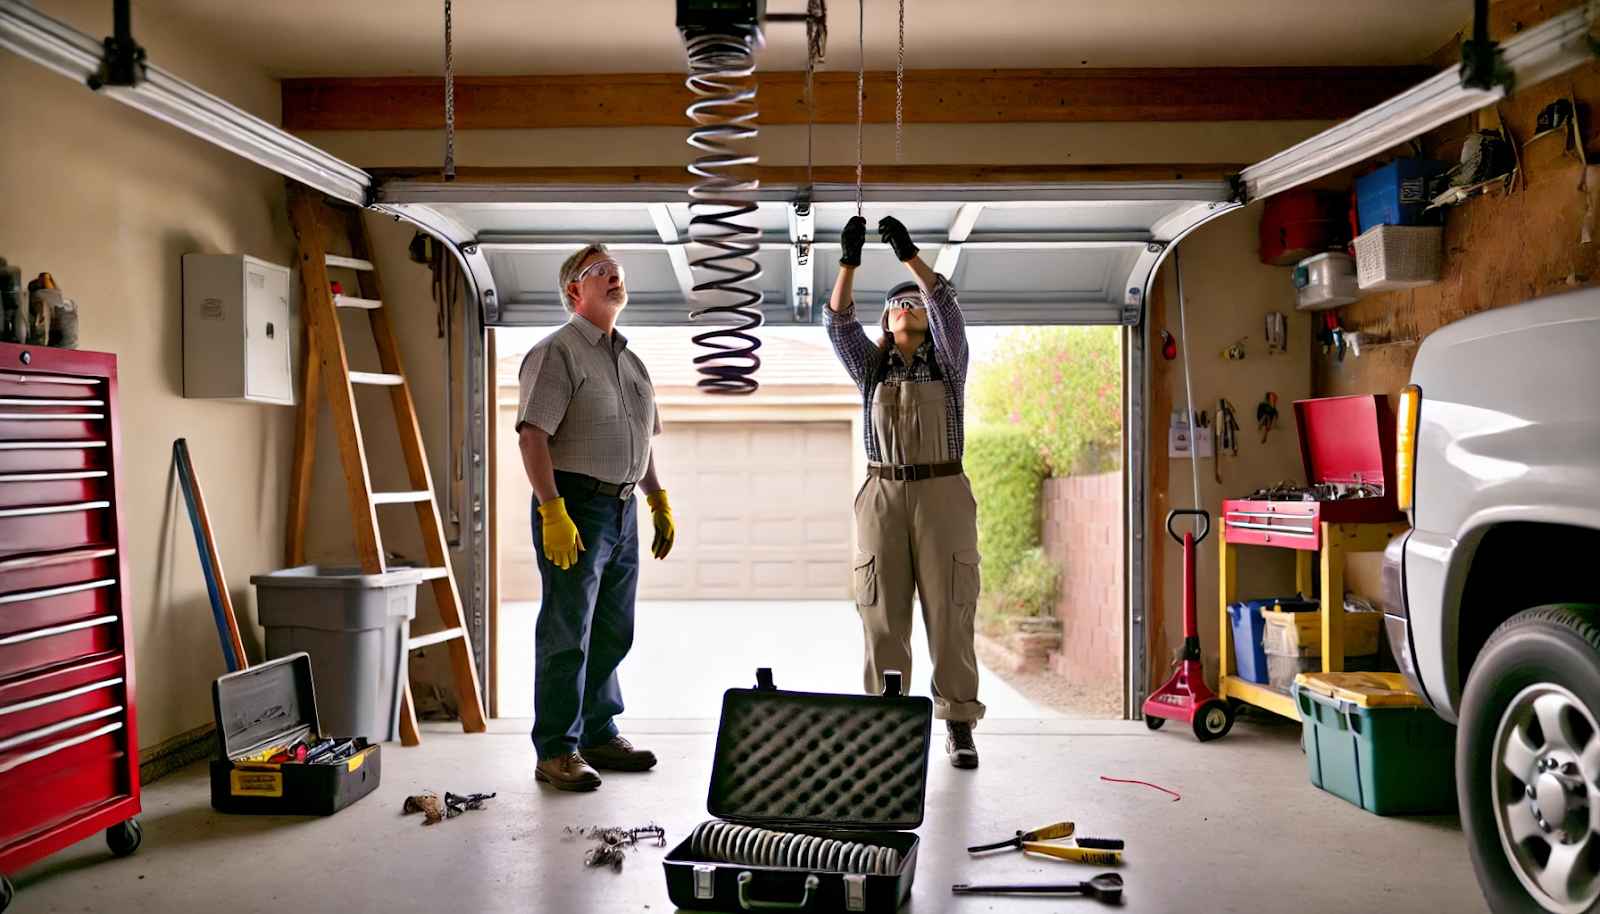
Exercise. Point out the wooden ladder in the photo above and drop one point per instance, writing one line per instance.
(326, 364)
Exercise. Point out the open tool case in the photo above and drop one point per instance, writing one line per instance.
(824, 772)
(267, 706)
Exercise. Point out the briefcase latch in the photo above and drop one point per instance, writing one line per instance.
(705, 885)
(855, 892)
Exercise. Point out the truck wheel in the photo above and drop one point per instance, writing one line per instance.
(1528, 762)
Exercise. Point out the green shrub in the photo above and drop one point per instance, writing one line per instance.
(1007, 473)
(1030, 588)
(1062, 386)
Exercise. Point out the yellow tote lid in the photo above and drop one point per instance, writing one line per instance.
(1365, 690)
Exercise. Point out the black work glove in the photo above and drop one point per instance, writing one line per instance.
(852, 240)
(896, 236)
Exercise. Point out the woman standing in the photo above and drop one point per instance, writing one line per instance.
(916, 520)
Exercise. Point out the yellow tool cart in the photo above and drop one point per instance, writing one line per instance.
(1347, 446)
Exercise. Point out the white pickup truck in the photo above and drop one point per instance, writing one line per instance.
(1493, 598)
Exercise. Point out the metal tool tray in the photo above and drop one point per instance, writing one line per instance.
(260, 707)
(845, 767)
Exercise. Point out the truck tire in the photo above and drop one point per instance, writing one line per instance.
(1530, 717)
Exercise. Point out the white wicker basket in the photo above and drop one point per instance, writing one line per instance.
(1399, 257)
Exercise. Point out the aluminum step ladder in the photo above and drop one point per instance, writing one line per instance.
(327, 364)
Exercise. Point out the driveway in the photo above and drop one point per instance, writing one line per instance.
(686, 654)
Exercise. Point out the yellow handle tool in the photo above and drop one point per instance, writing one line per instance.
(1078, 854)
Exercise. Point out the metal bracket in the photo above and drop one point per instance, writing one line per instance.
(802, 259)
(855, 892)
(1482, 64)
(124, 61)
(705, 884)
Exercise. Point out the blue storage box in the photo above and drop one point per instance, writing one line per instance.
(1248, 655)
(1398, 193)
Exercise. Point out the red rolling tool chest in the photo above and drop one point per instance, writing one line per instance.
(1347, 446)
(69, 760)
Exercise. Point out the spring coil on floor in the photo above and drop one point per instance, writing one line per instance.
(721, 67)
(724, 842)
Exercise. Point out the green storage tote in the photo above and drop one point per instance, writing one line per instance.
(1371, 746)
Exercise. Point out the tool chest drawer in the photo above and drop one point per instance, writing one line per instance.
(1264, 523)
(68, 734)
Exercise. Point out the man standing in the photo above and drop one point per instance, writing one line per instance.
(916, 519)
(584, 425)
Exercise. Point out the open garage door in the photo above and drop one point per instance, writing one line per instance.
(1079, 253)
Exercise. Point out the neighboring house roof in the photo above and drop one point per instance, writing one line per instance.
(669, 353)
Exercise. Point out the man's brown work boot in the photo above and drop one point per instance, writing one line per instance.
(619, 755)
(567, 772)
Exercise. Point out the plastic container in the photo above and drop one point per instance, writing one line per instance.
(1325, 281)
(1372, 742)
(1292, 634)
(1247, 654)
(1283, 668)
(1399, 193)
(355, 627)
(1392, 257)
(1300, 223)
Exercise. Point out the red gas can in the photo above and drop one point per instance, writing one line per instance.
(1300, 223)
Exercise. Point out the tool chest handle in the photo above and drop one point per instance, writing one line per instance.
(750, 904)
(1205, 523)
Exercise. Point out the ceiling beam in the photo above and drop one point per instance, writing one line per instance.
(825, 174)
(931, 97)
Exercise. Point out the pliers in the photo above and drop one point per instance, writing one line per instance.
(1048, 833)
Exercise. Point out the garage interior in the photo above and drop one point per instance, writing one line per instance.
(1064, 166)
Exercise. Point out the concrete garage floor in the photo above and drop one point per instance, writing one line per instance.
(1249, 835)
(811, 645)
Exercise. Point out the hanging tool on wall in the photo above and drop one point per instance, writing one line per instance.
(1169, 346)
(1277, 333)
(210, 561)
(1267, 414)
(1227, 434)
(1331, 335)
(1235, 353)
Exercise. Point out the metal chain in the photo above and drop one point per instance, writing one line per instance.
(449, 101)
(899, 82)
(861, 90)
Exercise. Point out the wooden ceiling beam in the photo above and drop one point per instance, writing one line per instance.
(831, 174)
(931, 97)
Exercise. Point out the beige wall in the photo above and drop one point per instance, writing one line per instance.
(1229, 292)
(107, 200)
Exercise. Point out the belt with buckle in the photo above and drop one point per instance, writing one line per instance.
(914, 471)
(590, 486)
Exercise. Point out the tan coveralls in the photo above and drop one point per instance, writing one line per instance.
(922, 532)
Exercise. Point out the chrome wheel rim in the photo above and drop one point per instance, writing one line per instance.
(1546, 798)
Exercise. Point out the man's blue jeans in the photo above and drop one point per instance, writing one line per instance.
(585, 625)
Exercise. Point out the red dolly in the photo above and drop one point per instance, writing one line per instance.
(1185, 696)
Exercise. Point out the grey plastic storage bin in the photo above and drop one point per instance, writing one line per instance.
(355, 627)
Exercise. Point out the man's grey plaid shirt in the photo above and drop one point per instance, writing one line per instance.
(947, 336)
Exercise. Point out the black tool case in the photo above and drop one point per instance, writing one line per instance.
(817, 768)
(266, 706)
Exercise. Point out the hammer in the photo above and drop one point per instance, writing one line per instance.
(1107, 888)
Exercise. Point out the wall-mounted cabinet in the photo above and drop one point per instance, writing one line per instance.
(236, 332)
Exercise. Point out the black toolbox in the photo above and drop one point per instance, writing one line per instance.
(814, 797)
(268, 706)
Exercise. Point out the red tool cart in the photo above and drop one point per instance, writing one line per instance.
(69, 760)
(1347, 447)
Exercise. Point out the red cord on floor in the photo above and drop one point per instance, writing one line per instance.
(1175, 797)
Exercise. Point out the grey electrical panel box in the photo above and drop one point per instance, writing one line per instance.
(236, 334)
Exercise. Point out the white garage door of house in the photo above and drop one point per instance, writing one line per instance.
(762, 508)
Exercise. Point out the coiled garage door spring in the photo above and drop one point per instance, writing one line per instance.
(721, 71)
(723, 842)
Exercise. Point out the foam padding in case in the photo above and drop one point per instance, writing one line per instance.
(837, 761)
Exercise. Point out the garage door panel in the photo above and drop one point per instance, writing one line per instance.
(719, 533)
(828, 532)
(765, 511)
(775, 532)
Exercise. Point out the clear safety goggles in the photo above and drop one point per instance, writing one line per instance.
(906, 303)
(603, 268)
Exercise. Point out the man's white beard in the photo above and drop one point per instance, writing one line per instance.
(617, 297)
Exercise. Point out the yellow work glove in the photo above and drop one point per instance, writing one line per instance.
(561, 541)
(661, 516)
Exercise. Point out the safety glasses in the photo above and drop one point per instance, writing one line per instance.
(907, 303)
(603, 268)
